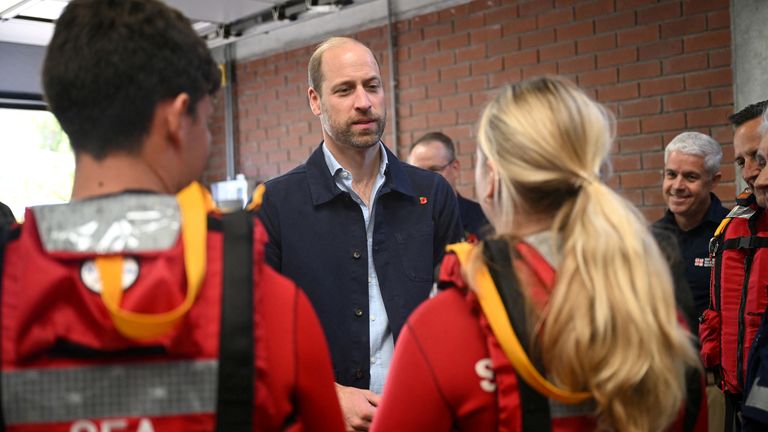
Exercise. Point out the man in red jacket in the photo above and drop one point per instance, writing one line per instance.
(114, 306)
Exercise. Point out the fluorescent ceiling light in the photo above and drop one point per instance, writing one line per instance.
(13, 8)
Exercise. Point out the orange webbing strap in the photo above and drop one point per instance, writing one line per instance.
(721, 227)
(258, 196)
(494, 311)
(194, 204)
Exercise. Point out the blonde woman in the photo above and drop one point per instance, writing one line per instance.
(566, 320)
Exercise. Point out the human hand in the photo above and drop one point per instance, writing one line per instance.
(357, 406)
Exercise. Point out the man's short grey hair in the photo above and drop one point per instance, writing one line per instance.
(697, 144)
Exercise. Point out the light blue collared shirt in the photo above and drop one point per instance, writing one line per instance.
(382, 343)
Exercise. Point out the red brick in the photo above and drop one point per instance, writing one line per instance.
(691, 7)
(599, 77)
(471, 53)
(709, 116)
(454, 102)
(722, 96)
(461, 10)
(505, 76)
(521, 58)
(421, 49)
(538, 38)
(685, 63)
(623, 163)
(469, 115)
(658, 13)
(576, 64)
(557, 51)
(437, 60)
(711, 78)
(454, 72)
(686, 100)
(640, 179)
(486, 66)
(617, 57)
(482, 98)
(425, 106)
(412, 122)
(720, 58)
(614, 22)
(534, 7)
(636, 71)
(654, 160)
(661, 86)
(441, 89)
(574, 31)
(427, 77)
(471, 84)
(634, 196)
(630, 4)
(707, 41)
(653, 197)
(597, 43)
(518, 26)
(488, 33)
(412, 66)
(425, 20)
(439, 119)
(465, 23)
(683, 26)
(663, 122)
(719, 19)
(626, 127)
(409, 37)
(502, 46)
(540, 69)
(454, 42)
(554, 17)
(638, 35)
(593, 8)
(660, 49)
(618, 93)
(640, 107)
(437, 31)
(724, 135)
(500, 15)
(652, 213)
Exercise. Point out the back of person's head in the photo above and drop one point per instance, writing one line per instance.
(610, 326)
(748, 113)
(440, 137)
(111, 61)
(697, 144)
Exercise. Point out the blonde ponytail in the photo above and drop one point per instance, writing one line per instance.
(610, 327)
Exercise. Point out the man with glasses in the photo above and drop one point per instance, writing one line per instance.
(436, 152)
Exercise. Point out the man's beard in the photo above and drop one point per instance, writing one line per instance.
(347, 136)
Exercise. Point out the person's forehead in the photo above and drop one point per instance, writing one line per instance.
(749, 130)
(349, 61)
(685, 162)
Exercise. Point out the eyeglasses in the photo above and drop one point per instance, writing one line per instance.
(438, 168)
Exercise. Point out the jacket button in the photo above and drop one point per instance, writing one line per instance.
(356, 254)
(358, 312)
(359, 374)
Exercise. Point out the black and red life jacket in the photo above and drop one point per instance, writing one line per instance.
(738, 292)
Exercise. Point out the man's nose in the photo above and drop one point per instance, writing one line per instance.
(362, 100)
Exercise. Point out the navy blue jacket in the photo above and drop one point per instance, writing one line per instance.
(473, 219)
(694, 249)
(317, 237)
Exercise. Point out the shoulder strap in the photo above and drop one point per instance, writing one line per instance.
(534, 405)
(235, 394)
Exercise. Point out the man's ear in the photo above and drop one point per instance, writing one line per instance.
(314, 101)
(176, 117)
(716, 179)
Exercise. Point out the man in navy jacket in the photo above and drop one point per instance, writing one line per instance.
(357, 229)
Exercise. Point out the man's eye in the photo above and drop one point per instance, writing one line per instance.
(740, 163)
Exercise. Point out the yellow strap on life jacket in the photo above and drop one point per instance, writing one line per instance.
(256, 199)
(721, 227)
(194, 204)
(494, 311)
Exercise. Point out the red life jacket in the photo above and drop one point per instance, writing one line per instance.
(65, 365)
(738, 292)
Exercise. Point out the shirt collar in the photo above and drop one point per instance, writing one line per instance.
(335, 168)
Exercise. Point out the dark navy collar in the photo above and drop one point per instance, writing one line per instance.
(714, 214)
(323, 187)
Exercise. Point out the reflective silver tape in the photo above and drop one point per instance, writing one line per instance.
(758, 396)
(741, 212)
(124, 390)
(124, 223)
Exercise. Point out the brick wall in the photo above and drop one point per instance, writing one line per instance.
(662, 67)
